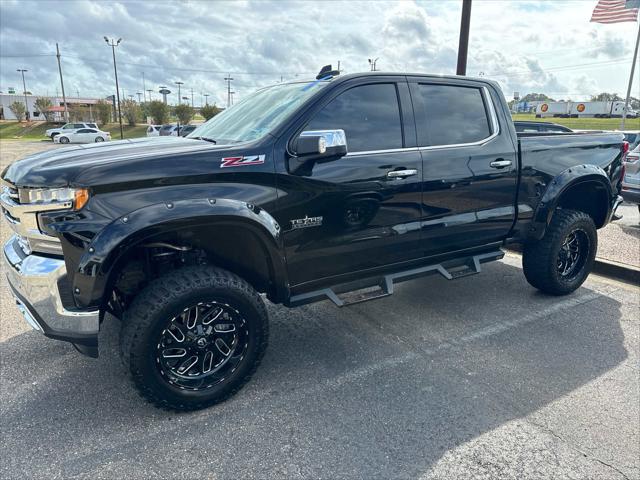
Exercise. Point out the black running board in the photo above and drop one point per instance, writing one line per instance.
(382, 286)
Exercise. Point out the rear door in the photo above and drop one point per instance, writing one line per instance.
(469, 164)
(363, 210)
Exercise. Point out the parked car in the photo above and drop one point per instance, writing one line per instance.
(306, 191)
(68, 128)
(631, 181)
(83, 135)
(633, 137)
(187, 129)
(169, 130)
(537, 127)
(153, 130)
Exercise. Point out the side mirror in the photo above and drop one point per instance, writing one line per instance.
(317, 145)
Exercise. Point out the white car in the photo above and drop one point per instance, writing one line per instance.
(83, 135)
(153, 130)
(68, 128)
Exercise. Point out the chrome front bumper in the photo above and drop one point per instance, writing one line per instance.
(35, 283)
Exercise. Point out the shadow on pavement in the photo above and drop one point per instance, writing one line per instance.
(380, 390)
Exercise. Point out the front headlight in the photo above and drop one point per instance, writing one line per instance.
(48, 196)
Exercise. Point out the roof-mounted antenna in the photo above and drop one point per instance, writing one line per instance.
(327, 72)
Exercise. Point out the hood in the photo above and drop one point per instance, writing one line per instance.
(66, 166)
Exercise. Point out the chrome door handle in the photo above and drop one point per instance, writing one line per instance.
(402, 173)
(500, 163)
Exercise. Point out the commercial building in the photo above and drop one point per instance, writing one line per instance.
(84, 105)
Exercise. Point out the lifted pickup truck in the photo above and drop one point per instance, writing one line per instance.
(334, 189)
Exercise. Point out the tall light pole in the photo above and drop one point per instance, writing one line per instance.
(139, 98)
(463, 44)
(372, 62)
(113, 44)
(192, 98)
(206, 99)
(24, 90)
(179, 97)
(179, 84)
(64, 97)
(149, 92)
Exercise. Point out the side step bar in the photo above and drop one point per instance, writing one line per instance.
(380, 287)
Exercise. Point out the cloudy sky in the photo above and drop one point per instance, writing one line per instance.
(528, 46)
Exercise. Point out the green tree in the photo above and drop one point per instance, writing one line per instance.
(43, 105)
(605, 97)
(103, 110)
(184, 112)
(158, 111)
(209, 111)
(130, 111)
(18, 110)
(536, 97)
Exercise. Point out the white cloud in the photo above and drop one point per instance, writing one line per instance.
(526, 46)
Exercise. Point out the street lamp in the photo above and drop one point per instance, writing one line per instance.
(24, 86)
(113, 44)
(179, 102)
(373, 63)
(139, 96)
(149, 92)
(206, 99)
(178, 84)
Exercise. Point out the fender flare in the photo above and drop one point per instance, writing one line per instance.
(105, 250)
(567, 179)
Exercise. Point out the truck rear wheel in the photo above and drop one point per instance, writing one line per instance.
(194, 337)
(561, 261)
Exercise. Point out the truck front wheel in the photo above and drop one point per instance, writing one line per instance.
(561, 261)
(194, 337)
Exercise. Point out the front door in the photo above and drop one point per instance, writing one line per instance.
(362, 210)
(470, 167)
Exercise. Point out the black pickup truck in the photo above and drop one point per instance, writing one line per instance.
(335, 188)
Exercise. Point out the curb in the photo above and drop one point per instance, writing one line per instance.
(618, 271)
(622, 272)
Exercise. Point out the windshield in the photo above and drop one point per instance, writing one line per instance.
(258, 114)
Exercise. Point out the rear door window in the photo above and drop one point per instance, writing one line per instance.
(368, 114)
(451, 115)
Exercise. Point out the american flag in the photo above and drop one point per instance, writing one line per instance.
(615, 11)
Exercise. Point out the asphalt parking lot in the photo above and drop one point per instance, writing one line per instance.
(480, 377)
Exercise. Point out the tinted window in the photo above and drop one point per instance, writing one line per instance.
(452, 115)
(84, 130)
(78, 125)
(369, 116)
(92, 125)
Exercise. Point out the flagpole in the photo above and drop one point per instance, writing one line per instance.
(633, 67)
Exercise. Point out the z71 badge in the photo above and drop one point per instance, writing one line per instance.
(241, 161)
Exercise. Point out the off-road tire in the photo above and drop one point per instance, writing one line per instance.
(162, 300)
(540, 258)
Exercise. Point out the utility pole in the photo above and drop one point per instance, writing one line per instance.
(24, 90)
(463, 45)
(144, 87)
(64, 97)
(228, 79)
(179, 97)
(633, 67)
(113, 45)
(192, 98)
